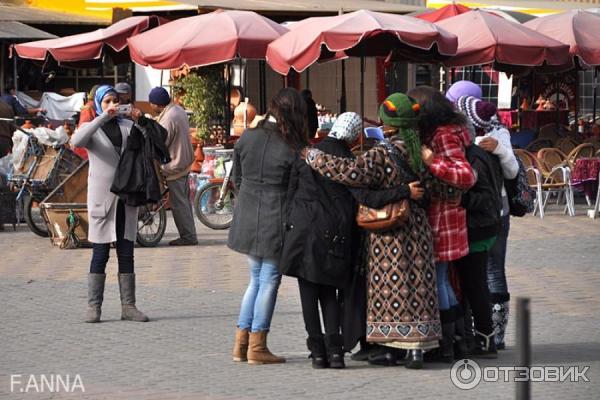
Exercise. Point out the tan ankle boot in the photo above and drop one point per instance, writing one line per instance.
(240, 348)
(258, 353)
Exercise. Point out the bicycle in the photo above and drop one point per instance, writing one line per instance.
(152, 222)
(214, 202)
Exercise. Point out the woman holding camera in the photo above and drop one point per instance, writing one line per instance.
(110, 220)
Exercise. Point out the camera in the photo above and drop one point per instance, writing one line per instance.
(124, 109)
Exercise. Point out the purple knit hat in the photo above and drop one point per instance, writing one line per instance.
(479, 112)
(463, 88)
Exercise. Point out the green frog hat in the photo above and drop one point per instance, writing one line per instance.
(401, 111)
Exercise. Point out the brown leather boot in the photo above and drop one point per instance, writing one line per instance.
(258, 353)
(240, 347)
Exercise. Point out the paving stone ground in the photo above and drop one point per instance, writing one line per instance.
(192, 296)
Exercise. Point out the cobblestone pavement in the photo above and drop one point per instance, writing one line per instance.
(192, 296)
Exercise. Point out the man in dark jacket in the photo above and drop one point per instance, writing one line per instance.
(175, 120)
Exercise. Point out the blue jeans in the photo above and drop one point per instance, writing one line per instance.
(446, 296)
(496, 272)
(260, 297)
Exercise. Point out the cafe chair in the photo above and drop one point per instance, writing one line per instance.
(557, 176)
(582, 151)
(538, 144)
(545, 188)
(567, 144)
(550, 132)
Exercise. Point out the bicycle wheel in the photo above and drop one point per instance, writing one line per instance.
(33, 216)
(151, 225)
(206, 208)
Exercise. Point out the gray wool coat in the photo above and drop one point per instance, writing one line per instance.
(104, 159)
(261, 172)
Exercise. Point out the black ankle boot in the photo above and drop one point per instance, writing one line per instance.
(486, 346)
(414, 359)
(386, 356)
(335, 351)
(316, 345)
(363, 353)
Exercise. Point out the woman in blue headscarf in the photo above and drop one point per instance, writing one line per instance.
(109, 219)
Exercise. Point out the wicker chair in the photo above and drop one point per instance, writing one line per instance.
(567, 144)
(557, 177)
(581, 151)
(550, 132)
(542, 187)
(539, 143)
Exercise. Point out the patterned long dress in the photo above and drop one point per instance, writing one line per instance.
(402, 301)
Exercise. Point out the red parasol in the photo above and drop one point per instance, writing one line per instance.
(451, 10)
(88, 46)
(360, 33)
(579, 29)
(205, 39)
(485, 38)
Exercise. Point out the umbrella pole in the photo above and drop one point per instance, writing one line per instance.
(343, 96)
(557, 102)
(362, 95)
(308, 78)
(15, 75)
(594, 93)
(261, 89)
(2, 67)
(228, 115)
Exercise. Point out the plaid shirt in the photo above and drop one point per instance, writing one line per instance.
(449, 222)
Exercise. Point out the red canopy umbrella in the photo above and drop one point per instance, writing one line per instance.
(451, 10)
(485, 38)
(360, 33)
(88, 46)
(579, 29)
(205, 39)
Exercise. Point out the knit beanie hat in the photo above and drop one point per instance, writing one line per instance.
(479, 112)
(159, 96)
(346, 127)
(463, 88)
(401, 111)
(123, 88)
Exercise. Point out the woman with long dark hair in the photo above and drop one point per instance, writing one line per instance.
(443, 132)
(263, 158)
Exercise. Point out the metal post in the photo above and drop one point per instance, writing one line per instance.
(557, 102)
(2, 67)
(262, 89)
(15, 75)
(343, 96)
(523, 345)
(595, 91)
(228, 114)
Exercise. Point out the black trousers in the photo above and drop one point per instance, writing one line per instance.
(311, 294)
(473, 283)
(124, 247)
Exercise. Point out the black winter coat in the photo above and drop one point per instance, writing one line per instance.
(483, 201)
(136, 181)
(319, 224)
(322, 241)
(262, 162)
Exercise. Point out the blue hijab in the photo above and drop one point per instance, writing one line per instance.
(101, 92)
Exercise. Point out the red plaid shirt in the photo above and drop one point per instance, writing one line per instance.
(449, 222)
